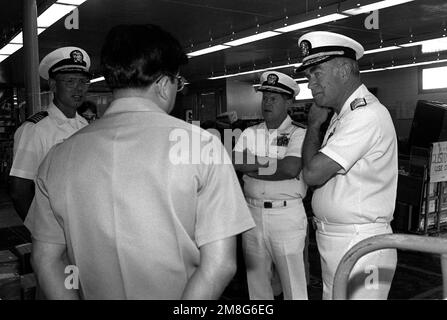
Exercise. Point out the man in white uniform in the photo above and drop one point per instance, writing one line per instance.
(354, 169)
(67, 72)
(274, 196)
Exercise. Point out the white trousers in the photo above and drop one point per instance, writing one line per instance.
(277, 241)
(371, 277)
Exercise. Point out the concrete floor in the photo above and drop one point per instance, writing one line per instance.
(418, 275)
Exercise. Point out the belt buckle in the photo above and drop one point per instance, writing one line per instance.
(268, 205)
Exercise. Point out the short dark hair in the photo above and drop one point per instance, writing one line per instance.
(134, 56)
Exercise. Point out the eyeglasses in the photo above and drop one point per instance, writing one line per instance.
(72, 83)
(181, 81)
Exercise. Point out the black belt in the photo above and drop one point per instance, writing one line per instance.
(269, 204)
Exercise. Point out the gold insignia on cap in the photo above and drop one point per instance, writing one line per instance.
(305, 47)
(77, 56)
(272, 79)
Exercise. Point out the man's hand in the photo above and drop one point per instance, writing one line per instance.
(247, 162)
(317, 116)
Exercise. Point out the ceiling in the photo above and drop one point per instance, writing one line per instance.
(197, 23)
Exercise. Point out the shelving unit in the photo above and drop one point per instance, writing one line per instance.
(8, 125)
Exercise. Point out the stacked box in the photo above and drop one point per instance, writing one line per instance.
(10, 286)
(28, 283)
(23, 252)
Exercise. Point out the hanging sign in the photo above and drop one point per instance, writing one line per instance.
(438, 162)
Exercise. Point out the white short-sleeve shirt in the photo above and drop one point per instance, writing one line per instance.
(362, 140)
(32, 141)
(132, 217)
(277, 144)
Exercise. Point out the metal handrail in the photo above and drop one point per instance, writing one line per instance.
(387, 241)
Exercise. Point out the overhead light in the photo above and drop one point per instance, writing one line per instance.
(434, 45)
(10, 48)
(72, 2)
(207, 50)
(429, 44)
(381, 49)
(236, 74)
(256, 37)
(283, 66)
(97, 80)
(372, 70)
(375, 6)
(53, 14)
(295, 65)
(402, 66)
(3, 57)
(18, 39)
(312, 22)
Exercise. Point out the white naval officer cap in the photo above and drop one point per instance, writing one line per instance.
(277, 82)
(321, 46)
(65, 60)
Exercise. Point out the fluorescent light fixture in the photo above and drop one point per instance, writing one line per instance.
(72, 2)
(430, 44)
(255, 37)
(10, 48)
(312, 22)
(207, 50)
(18, 39)
(409, 65)
(372, 70)
(375, 6)
(434, 45)
(295, 65)
(434, 78)
(236, 74)
(3, 57)
(381, 49)
(53, 14)
(97, 80)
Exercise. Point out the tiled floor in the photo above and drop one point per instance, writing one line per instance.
(418, 275)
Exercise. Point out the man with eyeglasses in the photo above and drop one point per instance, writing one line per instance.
(67, 72)
(135, 222)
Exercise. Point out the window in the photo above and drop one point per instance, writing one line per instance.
(305, 92)
(433, 79)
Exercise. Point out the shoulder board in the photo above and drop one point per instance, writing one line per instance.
(359, 102)
(299, 124)
(35, 118)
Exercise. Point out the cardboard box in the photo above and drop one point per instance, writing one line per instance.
(23, 252)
